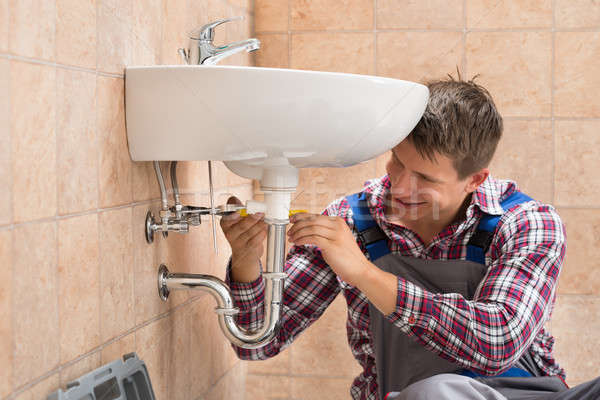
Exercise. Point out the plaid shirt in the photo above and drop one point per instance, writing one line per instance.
(487, 334)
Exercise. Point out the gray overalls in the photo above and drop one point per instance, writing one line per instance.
(401, 361)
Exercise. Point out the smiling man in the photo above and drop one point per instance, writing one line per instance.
(448, 273)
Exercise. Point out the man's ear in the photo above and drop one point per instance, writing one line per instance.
(476, 179)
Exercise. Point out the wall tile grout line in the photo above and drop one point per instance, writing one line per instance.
(587, 295)
(514, 118)
(575, 118)
(131, 267)
(57, 188)
(31, 60)
(388, 30)
(159, 56)
(575, 207)
(290, 44)
(252, 20)
(12, 233)
(289, 32)
(375, 37)
(97, 147)
(295, 375)
(552, 102)
(57, 199)
(223, 375)
(464, 40)
(99, 277)
(135, 344)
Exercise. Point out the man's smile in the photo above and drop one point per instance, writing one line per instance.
(407, 203)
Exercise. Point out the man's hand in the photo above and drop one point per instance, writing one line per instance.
(336, 242)
(246, 237)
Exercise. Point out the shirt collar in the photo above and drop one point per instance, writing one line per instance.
(487, 197)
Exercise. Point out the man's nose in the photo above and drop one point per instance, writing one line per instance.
(403, 184)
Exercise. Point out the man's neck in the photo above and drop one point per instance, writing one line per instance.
(461, 213)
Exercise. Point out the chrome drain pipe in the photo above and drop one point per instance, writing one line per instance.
(273, 275)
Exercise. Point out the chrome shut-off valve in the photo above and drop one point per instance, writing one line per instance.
(178, 217)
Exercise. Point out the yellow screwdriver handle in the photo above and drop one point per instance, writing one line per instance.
(292, 212)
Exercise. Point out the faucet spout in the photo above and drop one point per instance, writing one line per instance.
(218, 53)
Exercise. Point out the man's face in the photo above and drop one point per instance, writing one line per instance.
(423, 190)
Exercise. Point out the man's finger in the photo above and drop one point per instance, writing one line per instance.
(256, 229)
(313, 230)
(258, 239)
(229, 219)
(234, 215)
(301, 226)
(302, 216)
(312, 240)
(319, 220)
(243, 225)
(308, 216)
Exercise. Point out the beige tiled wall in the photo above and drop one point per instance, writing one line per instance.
(79, 279)
(539, 59)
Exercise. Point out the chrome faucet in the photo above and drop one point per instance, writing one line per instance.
(203, 51)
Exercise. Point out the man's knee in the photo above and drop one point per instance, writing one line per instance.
(447, 386)
(430, 388)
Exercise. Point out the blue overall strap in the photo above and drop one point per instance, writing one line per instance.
(513, 372)
(482, 238)
(369, 232)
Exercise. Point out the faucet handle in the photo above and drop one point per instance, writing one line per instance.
(207, 31)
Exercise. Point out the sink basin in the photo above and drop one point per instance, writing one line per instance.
(249, 114)
(264, 123)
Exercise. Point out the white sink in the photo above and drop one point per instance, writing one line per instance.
(315, 119)
(259, 119)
